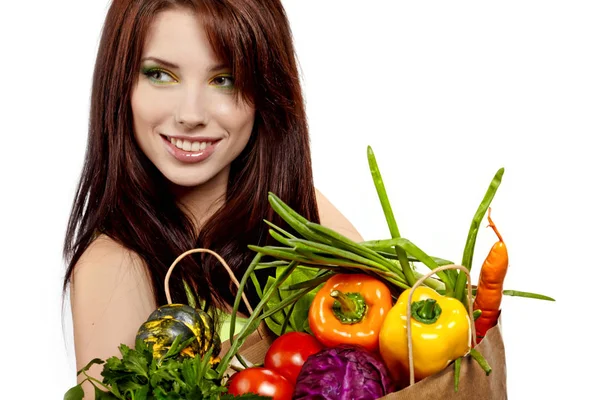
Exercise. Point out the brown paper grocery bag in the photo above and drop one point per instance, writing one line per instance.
(473, 384)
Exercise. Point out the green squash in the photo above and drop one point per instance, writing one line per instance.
(167, 322)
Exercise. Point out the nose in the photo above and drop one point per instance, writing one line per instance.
(192, 111)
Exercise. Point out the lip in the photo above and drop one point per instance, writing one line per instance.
(190, 157)
(192, 138)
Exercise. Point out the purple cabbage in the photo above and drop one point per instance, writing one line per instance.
(343, 373)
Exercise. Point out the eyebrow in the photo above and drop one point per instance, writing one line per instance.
(160, 61)
(168, 64)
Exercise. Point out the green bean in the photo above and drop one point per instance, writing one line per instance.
(292, 218)
(481, 361)
(280, 230)
(343, 242)
(256, 284)
(321, 234)
(389, 214)
(335, 251)
(306, 252)
(530, 295)
(271, 264)
(433, 283)
(286, 302)
(238, 298)
(279, 252)
(457, 372)
(422, 257)
(467, 259)
(280, 238)
(286, 320)
(382, 247)
(254, 320)
(312, 283)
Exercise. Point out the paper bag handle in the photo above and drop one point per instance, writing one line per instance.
(408, 311)
(222, 261)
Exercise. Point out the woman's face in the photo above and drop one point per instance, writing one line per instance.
(186, 117)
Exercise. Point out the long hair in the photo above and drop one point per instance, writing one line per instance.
(123, 195)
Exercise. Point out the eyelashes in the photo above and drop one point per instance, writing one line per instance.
(224, 81)
(161, 76)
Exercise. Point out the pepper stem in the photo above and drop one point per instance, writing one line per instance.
(348, 308)
(426, 311)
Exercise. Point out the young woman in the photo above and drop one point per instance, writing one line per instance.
(196, 114)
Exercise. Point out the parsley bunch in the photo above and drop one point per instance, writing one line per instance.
(139, 376)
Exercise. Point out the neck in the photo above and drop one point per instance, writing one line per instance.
(202, 201)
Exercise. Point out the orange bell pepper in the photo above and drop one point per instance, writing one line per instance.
(350, 309)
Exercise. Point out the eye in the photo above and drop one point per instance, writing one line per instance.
(225, 81)
(159, 76)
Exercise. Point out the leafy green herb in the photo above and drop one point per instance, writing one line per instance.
(136, 375)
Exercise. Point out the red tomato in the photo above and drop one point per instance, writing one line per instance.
(261, 381)
(289, 352)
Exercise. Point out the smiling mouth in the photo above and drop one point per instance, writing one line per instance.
(190, 145)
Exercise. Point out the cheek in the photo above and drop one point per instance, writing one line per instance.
(148, 111)
(237, 119)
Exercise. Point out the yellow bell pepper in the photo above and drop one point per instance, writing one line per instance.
(440, 330)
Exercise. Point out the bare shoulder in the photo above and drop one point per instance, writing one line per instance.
(108, 265)
(111, 296)
(332, 218)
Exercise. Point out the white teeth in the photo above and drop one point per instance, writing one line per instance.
(186, 145)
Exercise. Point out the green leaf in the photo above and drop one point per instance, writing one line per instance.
(177, 346)
(273, 326)
(131, 386)
(314, 282)
(306, 327)
(75, 393)
(102, 395)
(161, 375)
(299, 312)
(191, 298)
(136, 363)
(211, 374)
(141, 393)
(189, 371)
(204, 364)
(275, 300)
(89, 365)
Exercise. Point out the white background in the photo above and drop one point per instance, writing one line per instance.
(445, 93)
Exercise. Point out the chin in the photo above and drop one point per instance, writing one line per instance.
(187, 181)
(189, 178)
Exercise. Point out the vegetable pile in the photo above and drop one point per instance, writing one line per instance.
(350, 320)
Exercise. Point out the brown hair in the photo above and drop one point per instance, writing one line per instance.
(122, 194)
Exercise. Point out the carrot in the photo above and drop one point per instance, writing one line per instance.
(489, 288)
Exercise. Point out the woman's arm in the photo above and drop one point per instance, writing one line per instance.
(333, 219)
(111, 297)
